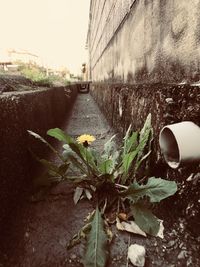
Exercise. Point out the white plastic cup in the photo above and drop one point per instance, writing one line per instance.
(180, 143)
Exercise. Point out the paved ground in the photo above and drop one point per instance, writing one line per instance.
(42, 229)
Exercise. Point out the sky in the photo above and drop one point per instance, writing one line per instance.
(55, 30)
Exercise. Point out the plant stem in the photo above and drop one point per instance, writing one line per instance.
(121, 186)
(88, 168)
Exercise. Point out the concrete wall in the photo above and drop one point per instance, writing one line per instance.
(21, 111)
(144, 40)
(145, 58)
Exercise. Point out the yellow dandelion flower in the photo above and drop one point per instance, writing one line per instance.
(86, 139)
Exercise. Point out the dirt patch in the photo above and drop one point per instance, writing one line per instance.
(10, 83)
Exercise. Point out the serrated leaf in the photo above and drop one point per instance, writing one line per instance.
(145, 219)
(127, 133)
(96, 251)
(139, 161)
(156, 189)
(77, 163)
(126, 163)
(145, 134)
(62, 169)
(106, 167)
(109, 147)
(85, 155)
(37, 136)
(131, 143)
(60, 135)
(146, 128)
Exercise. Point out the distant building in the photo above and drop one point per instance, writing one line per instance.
(10, 58)
(23, 56)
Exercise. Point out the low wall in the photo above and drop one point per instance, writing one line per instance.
(21, 111)
(124, 104)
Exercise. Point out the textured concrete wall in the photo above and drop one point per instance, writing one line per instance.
(124, 104)
(145, 57)
(34, 110)
(145, 40)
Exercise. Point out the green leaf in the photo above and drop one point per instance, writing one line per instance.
(156, 189)
(77, 163)
(145, 219)
(126, 164)
(62, 169)
(60, 135)
(96, 251)
(139, 161)
(67, 151)
(131, 143)
(128, 159)
(146, 128)
(106, 167)
(86, 155)
(109, 148)
(127, 134)
(145, 134)
(37, 136)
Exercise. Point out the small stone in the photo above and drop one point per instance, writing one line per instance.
(190, 177)
(196, 178)
(169, 100)
(182, 255)
(136, 254)
(155, 244)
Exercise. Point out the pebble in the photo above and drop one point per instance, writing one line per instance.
(169, 100)
(136, 254)
(182, 255)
